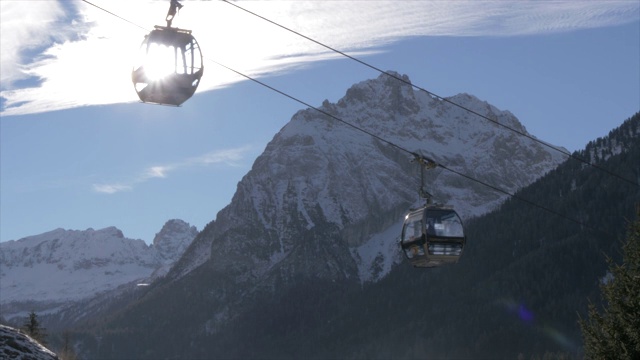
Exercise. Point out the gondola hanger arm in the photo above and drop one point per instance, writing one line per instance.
(424, 161)
(174, 7)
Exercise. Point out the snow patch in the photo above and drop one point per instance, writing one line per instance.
(377, 256)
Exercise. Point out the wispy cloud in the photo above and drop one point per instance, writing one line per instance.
(157, 172)
(93, 66)
(111, 188)
(230, 157)
(24, 27)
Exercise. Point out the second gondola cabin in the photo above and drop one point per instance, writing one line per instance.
(432, 236)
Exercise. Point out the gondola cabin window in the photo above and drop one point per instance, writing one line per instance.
(444, 223)
(414, 228)
(412, 239)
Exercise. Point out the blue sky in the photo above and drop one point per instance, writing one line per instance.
(77, 149)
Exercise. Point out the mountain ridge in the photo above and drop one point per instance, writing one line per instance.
(57, 268)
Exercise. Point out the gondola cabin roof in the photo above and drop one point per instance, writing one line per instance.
(169, 36)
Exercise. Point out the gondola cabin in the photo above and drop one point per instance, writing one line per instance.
(169, 67)
(432, 236)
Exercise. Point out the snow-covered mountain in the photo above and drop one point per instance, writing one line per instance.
(327, 200)
(52, 270)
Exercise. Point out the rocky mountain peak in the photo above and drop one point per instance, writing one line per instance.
(388, 92)
(174, 237)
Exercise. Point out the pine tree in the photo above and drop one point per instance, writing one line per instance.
(615, 334)
(34, 330)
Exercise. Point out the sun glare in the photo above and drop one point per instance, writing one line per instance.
(160, 61)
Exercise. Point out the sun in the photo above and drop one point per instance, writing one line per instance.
(160, 61)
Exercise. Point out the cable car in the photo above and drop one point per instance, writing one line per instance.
(169, 66)
(432, 236)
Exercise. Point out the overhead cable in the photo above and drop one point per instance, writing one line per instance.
(390, 143)
(521, 133)
(109, 12)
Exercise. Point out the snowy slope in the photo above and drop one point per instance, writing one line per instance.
(17, 346)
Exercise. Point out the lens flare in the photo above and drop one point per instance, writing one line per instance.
(527, 316)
